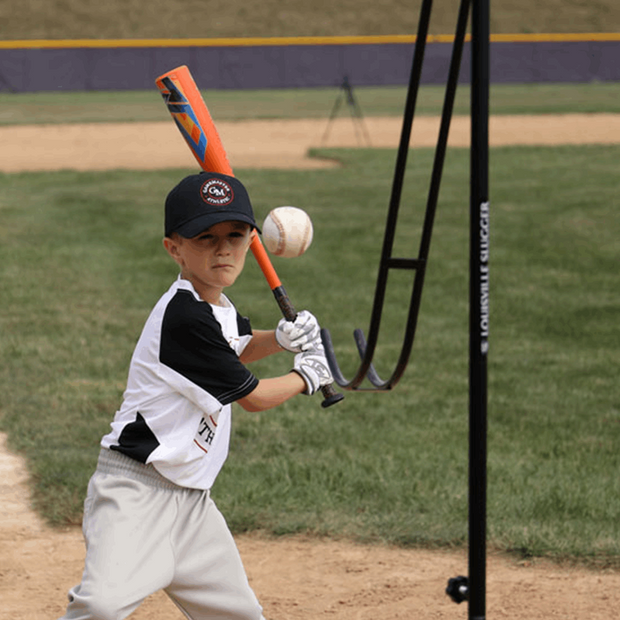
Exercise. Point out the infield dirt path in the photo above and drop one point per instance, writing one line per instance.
(295, 578)
(270, 144)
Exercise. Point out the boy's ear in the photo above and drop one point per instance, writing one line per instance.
(172, 247)
(253, 235)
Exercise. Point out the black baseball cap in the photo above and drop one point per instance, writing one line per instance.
(201, 200)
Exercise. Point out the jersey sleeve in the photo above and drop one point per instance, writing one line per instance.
(193, 345)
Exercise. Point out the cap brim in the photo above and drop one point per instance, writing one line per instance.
(201, 223)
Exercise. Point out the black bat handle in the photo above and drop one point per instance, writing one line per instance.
(330, 395)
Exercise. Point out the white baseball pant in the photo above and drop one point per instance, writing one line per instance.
(143, 533)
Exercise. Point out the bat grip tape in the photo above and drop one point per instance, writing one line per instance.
(286, 306)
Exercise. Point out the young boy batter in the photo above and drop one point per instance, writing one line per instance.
(149, 520)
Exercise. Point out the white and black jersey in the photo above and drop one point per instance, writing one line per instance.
(184, 374)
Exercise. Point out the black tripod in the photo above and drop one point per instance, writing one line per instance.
(6, 83)
(346, 94)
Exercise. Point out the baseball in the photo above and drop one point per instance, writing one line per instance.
(287, 231)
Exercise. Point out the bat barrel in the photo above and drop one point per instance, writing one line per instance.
(262, 258)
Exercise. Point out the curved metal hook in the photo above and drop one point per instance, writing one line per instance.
(366, 348)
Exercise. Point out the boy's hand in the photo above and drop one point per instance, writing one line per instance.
(297, 335)
(312, 365)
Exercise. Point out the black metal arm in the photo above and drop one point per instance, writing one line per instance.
(366, 346)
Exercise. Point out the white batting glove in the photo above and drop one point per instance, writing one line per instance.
(313, 367)
(297, 335)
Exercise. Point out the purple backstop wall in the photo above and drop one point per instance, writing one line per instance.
(296, 65)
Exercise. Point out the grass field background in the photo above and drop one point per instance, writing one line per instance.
(82, 265)
(83, 19)
(226, 105)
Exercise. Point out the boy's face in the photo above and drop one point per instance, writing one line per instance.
(212, 260)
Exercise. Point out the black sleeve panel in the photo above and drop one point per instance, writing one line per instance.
(193, 345)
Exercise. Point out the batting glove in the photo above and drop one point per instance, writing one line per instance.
(313, 368)
(297, 335)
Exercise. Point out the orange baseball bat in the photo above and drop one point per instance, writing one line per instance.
(192, 118)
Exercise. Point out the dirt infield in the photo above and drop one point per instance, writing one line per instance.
(270, 144)
(299, 578)
(295, 578)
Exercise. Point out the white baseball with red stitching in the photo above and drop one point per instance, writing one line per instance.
(287, 232)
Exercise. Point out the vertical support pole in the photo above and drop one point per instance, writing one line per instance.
(479, 307)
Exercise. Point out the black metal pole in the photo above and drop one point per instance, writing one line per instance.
(479, 307)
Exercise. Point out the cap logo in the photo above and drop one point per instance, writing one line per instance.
(217, 192)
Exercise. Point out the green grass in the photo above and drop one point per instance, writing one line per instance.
(131, 106)
(82, 264)
(70, 19)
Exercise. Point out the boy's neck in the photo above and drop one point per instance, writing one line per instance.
(221, 302)
(212, 296)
